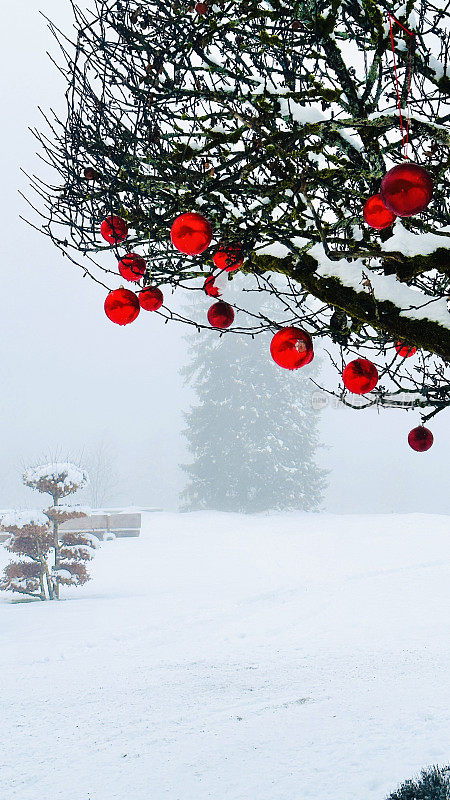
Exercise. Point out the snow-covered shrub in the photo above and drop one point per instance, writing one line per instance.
(31, 538)
(54, 557)
(58, 479)
(433, 784)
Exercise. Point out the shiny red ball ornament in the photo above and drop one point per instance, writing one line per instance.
(292, 348)
(376, 214)
(210, 288)
(151, 298)
(360, 376)
(114, 229)
(420, 439)
(91, 174)
(122, 306)
(229, 257)
(191, 233)
(406, 189)
(404, 350)
(132, 267)
(221, 315)
(201, 9)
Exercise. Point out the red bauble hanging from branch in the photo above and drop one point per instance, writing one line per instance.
(404, 350)
(221, 315)
(420, 439)
(210, 287)
(191, 233)
(122, 306)
(151, 298)
(407, 189)
(360, 376)
(228, 257)
(91, 174)
(376, 214)
(114, 229)
(292, 348)
(132, 267)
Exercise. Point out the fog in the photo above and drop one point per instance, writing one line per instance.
(75, 385)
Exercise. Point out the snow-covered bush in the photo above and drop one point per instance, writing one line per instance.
(30, 538)
(58, 479)
(433, 784)
(53, 557)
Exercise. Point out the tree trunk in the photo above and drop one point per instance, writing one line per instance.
(56, 544)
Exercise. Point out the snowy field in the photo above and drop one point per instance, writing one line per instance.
(291, 657)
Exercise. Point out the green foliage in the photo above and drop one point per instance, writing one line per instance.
(433, 784)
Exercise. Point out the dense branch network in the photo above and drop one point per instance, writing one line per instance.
(276, 121)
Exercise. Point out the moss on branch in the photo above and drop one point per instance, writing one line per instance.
(382, 315)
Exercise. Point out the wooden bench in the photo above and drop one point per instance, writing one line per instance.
(105, 526)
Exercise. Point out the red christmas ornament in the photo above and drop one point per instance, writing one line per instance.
(122, 306)
(376, 214)
(191, 233)
(360, 376)
(229, 257)
(114, 229)
(210, 287)
(151, 298)
(406, 189)
(220, 315)
(420, 439)
(132, 267)
(404, 350)
(201, 9)
(292, 348)
(91, 174)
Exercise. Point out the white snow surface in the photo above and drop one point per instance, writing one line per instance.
(282, 657)
(414, 244)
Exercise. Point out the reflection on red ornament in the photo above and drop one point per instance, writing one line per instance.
(292, 348)
(210, 287)
(404, 350)
(220, 315)
(407, 189)
(151, 298)
(122, 306)
(420, 439)
(376, 214)
(191, 233)
(114, 229)
(201, 9)
(229, 257)
(132, 267)
(360, 376)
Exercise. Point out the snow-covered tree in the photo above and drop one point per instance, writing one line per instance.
(53, 557)
(31, 539)
(252, 433)
(286, 125)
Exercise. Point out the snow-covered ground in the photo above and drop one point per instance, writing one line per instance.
(288, 657)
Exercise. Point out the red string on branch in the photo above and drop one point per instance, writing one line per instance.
(404, 129)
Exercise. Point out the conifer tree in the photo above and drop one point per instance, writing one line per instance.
(252, 432)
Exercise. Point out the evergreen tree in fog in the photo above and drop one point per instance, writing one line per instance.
(252, 431)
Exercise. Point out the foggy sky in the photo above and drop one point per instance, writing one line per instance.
(72, 382)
